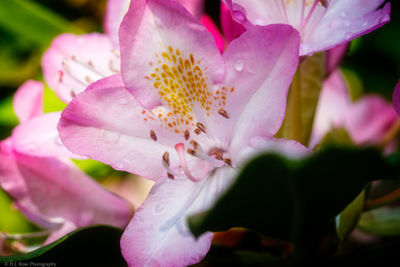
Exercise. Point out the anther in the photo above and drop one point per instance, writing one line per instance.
(228, 161)
(187, 135)
(88, 79)
(191, 151)
(201, 127)
(197, 131)
(170, 176)
(194, 144)
(324, 3)
(223, 113)
(216, 152)
(165, 158)
(153, 135)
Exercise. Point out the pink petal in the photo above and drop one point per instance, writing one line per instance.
(345, 22)
(211, 27)
(28, 100)
(153, 33)
(260, 66)
(324, 28)
(115, 12)
(230, 28)
(158, 235)
(334, 102)
(39, 137)
(72, 62)
(366, 121)
(396, 98)
(107, 124)
(54, 189)
(369, 119)
(334, 56)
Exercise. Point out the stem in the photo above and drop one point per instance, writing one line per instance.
(382, 201)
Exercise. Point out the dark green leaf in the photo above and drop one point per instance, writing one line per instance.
(347, 220)
(285, 198)
(90, 246)
(32, 21)
(383, 222)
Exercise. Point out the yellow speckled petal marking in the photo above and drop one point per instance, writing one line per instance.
(182, 83)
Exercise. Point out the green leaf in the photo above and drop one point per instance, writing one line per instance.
(90, 246)
(336, 137)
(347, 220)
(94, 169)
(7, 115)
(32, 21)
(287, 198)
(221, 256)
(303, 99)
(51, 102)
(383, 221)
(11, 220)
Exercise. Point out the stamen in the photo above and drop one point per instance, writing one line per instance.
(26, 235)
(180, 149)
(153, 135)
(223, 113)
(217, 153)
(165, 158)
(305, 22)
(324, 3)
(197, 131)
(165, 163)
(187, 135)
(201, 155)
(194, 144)
(228, 161)
(112, 67)
(201, 127)
(191, 151)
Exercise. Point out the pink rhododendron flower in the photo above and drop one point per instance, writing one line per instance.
(322, 24)
(196, 117)
(367, 120)
(50, 190)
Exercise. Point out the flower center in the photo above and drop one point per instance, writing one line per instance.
(182, 83)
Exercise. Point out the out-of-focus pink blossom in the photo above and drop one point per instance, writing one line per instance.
(322, 24)
(366, 120)
(44, 184)
(74, 61)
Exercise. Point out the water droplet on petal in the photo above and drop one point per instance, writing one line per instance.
(158, 209)
(384, 19)
(239, 65)
(123, 101)
(365, 23)
(139, 218)
(109, 137)
(348, 35)
(119, 166)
